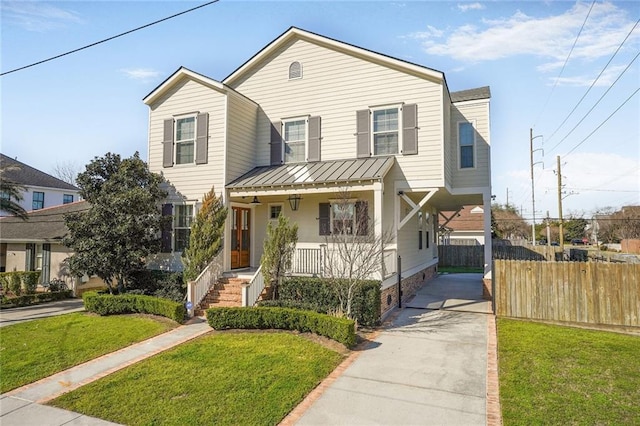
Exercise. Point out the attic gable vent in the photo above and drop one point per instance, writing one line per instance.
(295, 70)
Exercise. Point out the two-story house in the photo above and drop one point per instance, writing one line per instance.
(307, 120)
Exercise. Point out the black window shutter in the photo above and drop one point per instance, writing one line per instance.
(202, 138)
(46, 263)
(167, 143)
(276, 143)
(324, 219)
(410, 129)
(167, 226)
(314, 139)
(362, 218)
(29, 257)
(363, 125)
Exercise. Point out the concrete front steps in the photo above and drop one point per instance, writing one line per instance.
(227, 292)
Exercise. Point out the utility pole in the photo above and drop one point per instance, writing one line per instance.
(561, 237)
(507, 197)
(533, 194)
(548, 230)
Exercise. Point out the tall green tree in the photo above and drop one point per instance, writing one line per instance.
(122, 227)
(11, 193)
(205, 239)
(278, 252)
(507, 223)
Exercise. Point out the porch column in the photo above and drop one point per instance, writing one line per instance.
(377, 216)
(488, 255)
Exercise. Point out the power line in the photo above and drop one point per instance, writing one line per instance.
(597, 102)
(108, 39)
(566, 60)
(601, 124)
(595, 81)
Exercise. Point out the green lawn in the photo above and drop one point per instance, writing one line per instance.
(223, 379)
(562, 375)
(459, 270)
(32, 350)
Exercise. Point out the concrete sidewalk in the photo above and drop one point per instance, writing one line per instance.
(426, 367)
(21, 406)
(49, 309)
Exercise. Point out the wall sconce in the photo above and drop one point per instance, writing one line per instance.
(294, 201)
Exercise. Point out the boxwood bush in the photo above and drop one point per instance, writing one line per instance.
(107, 304)
(319, 292)
(339, 329)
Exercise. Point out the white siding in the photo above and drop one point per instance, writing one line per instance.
(187, 96)
(242, 116)
(334, 86)
(478, 176)
(52, 197)
(449, 145)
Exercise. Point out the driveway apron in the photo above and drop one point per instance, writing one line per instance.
(428, 366)
(28, 313)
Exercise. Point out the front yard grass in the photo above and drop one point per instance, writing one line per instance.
(552, 374)
(226, 378)
(32, 350)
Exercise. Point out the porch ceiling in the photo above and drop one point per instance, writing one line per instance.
(309, 174)
(445, 201)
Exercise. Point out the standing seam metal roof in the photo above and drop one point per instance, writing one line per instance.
(337, 171)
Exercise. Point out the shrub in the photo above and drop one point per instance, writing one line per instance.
(107, 304)
(30, 281)
(163, 284)
(295, 304)
(34, 299)
(339, 329)
(15, 283)
(319, 292)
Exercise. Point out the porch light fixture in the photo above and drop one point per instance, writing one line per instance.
(255, 200)
(294, 201)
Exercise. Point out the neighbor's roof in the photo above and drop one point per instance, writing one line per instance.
(27, 175)
(321, 172)
(297, 33)
(43, 225)
(471, 94)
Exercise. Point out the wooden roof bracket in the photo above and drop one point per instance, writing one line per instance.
(414, 207)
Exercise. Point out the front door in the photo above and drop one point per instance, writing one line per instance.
(240, 234)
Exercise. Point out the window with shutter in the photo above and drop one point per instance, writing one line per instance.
(324, 219)
(276, 143)
(466, 142)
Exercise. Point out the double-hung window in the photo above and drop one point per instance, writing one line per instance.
(182, 216)
(185, 139)
(295, 140)
(67, 198)
(38, 200)
(466, 140)
(274, 211)
(386, 130)
(343, 217)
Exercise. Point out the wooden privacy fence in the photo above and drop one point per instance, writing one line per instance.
(472, 256)
(583, 292)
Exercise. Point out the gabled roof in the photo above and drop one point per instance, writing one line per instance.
(176, 76)
(297, 33)
(321, 172)
(42, 225)
(471, 94)
(24, 174)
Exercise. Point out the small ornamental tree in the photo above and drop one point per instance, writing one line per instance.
(11, 192)
(122, 226)
(278, 252)
(205, 239)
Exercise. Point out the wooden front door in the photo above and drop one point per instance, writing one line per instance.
(240, 237)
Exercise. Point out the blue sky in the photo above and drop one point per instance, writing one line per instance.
(83, 105)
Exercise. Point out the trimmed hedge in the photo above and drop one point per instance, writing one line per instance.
(107, 304)
(339, 329)
(17, 281)
(34, 299)
(319, 292)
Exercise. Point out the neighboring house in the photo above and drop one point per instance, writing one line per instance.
(42, 189)
(36, 245)
(462, 227)
(306, 120)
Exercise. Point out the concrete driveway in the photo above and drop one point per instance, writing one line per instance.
(28, 313)
(429, 366)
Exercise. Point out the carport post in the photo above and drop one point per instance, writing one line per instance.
(399, 269)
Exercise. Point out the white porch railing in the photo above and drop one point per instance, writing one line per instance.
(307, 261)
(198, 289)
(251, 292)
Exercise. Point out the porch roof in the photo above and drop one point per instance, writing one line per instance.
(321, 172)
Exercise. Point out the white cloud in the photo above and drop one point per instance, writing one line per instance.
(606, 79)
(549, 37)
(37, 16)
(142, 74)
(464, 7)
